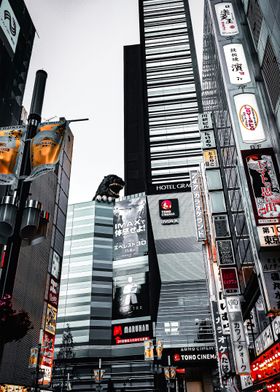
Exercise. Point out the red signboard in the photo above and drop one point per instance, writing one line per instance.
(47, 350)
(229, 280)
(267, 365)
(264, 184)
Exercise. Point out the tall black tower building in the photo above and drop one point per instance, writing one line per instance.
(16, 37)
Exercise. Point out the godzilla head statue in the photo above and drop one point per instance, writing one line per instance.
(109, 188)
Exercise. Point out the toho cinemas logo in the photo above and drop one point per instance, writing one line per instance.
(169, 210)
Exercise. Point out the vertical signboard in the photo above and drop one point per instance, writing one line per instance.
(226, 19)
(230, 281)
(264, 184)
(130, 236)
(205, 121)
(9, 27)
(271, 274)
(238, 338)
(236, 64)
(249, 118)
(222, 347)
(198, 206)
(225, 252)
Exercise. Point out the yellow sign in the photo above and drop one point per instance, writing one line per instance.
(210, 158)
(11, 143)
(46, 147)
(148, 350)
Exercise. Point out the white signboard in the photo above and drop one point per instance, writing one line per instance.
(236, 63)
(198, 206)
(249, 118)
(207, 139)
(205, 121)
(9, 24)
(269, 236)
(233, 304)
(276, 327)
(226, 19)
(242, 362)
(264, 340)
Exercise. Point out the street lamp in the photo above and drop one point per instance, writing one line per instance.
(99, 374)
(170, 374)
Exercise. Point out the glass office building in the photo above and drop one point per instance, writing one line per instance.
(86, 281)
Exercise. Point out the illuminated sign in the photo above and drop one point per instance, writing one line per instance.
(226, 19)
(148, 350)
(189, 354)
(9, 26)
(264, 340)
(168, 208)
(12, 388)
(249, 118)
(229, 281)
(47, 350)
(132, 332)
(267, 365)
(236, 63)
(53, 292)
(264, 186)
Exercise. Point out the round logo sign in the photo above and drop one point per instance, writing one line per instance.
(248, 117)
(166, 205)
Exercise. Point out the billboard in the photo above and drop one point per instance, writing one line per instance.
(9, 27)
(264, 184)
(11, 148)
(130, 229)
(226, 19)
(51, 319)
(249, 118)
(132, 332)
(130, 294)
(45, 148)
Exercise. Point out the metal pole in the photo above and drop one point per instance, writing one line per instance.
(168, 381)
(23, 188)
(37, 368)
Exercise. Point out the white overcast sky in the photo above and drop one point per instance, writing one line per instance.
(80, 45)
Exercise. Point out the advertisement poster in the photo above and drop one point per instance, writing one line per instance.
(11, 149)
(129, 222)
(250, 123)
(46, 147)
(226, 19)
(47, 350)
(236, 64)
(130, 295)
(50, 319)
(264, 184)
(53, 292)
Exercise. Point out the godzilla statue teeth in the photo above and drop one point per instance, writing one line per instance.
(104, 191)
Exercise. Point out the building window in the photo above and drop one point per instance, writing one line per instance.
(255, 19)
(171, 328)
(271, 73)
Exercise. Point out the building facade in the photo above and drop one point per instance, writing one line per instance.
(240, 140)
(35, 284)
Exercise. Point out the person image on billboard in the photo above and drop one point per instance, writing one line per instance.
(129, 296)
